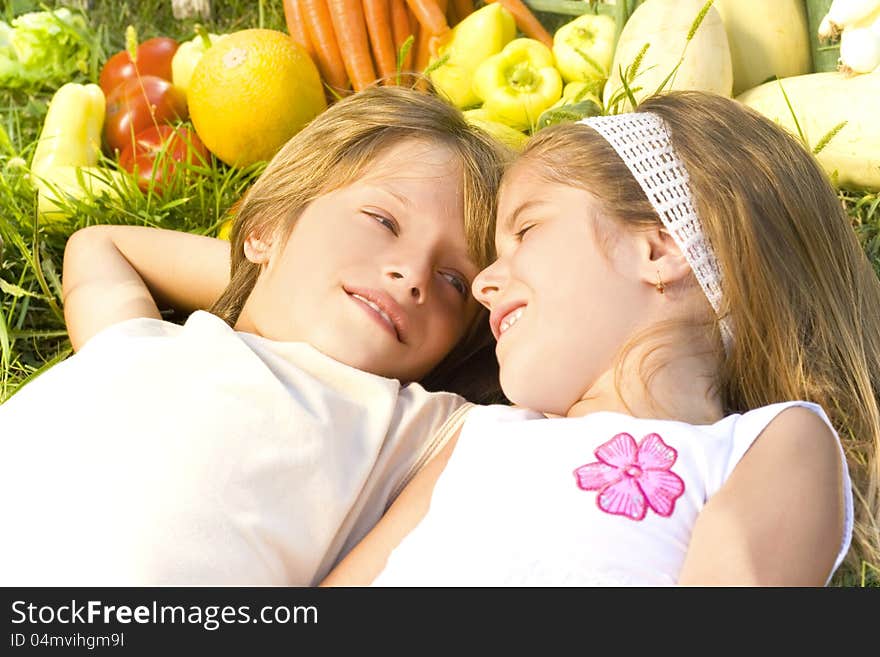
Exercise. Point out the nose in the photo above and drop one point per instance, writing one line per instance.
(409, 281)
(487, 284)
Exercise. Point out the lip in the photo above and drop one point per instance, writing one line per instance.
(498, 314)
(387, 304)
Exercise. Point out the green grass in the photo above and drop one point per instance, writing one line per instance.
(32, 331)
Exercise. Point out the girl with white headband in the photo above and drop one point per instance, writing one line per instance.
(680, 300)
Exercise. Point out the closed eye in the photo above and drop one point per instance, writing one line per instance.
(522, 233)
(390, 224)
(457, 282)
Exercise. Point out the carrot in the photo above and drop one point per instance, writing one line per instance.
(421, 35)
(451, 16)
(400, 28)
(297, 27)
(430, 15)
(417, 33)
(423, 51)
(463, 9)
(377, 15)
(319, 26)
(526, 20)
(427, 45)
(348, 21)
(438, 40)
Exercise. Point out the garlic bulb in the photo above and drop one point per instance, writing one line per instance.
(845, 13)
(859, 49)
(188, 8)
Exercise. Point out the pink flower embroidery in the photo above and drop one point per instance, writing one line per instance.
(631, 477)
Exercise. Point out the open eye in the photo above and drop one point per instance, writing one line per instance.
(457, 282)
(390, 224)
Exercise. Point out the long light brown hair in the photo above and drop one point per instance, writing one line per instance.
(334, 150)
(802, 297)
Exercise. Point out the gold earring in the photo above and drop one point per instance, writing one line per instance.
(660, 287)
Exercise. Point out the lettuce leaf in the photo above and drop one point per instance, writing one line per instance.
(44, 49)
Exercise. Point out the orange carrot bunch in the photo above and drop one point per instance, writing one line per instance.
(356, 43)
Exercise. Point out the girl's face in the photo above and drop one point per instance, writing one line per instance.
(562, 298)
(375, 274)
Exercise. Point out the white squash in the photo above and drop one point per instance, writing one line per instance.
(665, 24)
(766, 39)
(822, 101)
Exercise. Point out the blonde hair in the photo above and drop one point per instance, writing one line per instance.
(334, 150)
(798, 288)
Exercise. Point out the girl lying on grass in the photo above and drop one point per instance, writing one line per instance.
(256, 443)
(681, 301)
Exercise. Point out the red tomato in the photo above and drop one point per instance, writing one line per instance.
(153, 58)
(139, 103)
(156, 150)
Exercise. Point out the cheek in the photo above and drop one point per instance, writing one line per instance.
(451, 324)
(448, 324)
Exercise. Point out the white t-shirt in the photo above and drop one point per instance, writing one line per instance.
(162, 454)
(604, 499)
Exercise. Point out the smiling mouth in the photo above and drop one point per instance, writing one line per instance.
(380, 314)
(509, 320)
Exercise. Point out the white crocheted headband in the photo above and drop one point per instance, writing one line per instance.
(641, 139)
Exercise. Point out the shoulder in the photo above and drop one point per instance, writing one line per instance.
(795, 447)
(128, 329)
(797, 426)
(798, 433)
(799, 423)
(783, 514)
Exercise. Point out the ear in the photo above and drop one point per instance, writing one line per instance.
(257, 249)
(660, 257)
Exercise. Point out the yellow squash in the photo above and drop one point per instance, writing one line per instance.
(665, 25)
(766, 39)
(821, 102)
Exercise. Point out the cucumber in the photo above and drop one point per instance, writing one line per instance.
(824, 55)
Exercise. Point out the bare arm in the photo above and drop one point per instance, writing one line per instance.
(778, 520)
(367, 559)
(113, 273)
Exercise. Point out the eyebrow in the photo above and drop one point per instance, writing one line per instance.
(389, 190)
(510, 220)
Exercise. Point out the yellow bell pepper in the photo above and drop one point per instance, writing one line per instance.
(225, 231)
(575, 92)
(71, 134)
(190, 53)
(477, 37)
(510, 137)
(518, 83)
(66, 156)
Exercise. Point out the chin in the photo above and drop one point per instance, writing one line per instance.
(528, 387)
(516, 388)
(385, 365)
